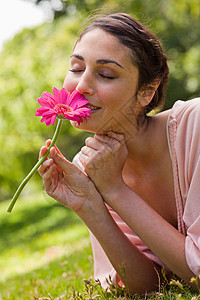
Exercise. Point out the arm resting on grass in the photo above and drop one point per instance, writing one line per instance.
(162, 238)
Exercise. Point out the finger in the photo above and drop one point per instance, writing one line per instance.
(117, 136)
(58, 151)
(102, 137)
(115, 140)
(83, 159)
(112, 139)
(45, 166)
(111, 142)
(62, 162)
(94, 143)
(88, 151)
(48, 142)
(43, 150)
(47, 176)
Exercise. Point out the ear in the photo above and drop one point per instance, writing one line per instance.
(147, 92)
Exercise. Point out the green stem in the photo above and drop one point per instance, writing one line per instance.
(28, 177)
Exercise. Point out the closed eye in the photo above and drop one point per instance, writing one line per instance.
(75, 71)
(102, 75)
(107, 77)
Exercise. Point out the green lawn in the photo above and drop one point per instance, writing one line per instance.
(45, 253)
(44, 247)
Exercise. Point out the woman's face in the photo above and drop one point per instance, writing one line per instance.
(101, 70)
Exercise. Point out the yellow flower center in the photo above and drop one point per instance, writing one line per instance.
(62, 108)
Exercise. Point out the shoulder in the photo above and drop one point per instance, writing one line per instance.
(184, 140)
(185, 110)
(184, 136)
(184, 123)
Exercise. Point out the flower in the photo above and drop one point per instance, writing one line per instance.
(177, 283)
(62, 105)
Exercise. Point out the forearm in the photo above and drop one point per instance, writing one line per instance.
(136, 271)
(162, 238)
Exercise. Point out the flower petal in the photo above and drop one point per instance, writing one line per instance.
(76, 98)
(53, 118)
(56, 93)
(46, 120)
(45, 102)
(64, 95)
(49, 113)
(49, 97)
(71, 106)
(41, 110)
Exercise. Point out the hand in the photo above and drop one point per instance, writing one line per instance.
(103, 159)
(67, 184)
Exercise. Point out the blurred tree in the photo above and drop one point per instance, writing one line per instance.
(177, 24)
(56, 8)
(34, 61)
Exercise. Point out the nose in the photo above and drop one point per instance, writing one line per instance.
(85, 84)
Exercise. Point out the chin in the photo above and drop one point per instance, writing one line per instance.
(82, 126)
(89, 126)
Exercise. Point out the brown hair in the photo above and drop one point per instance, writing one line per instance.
(147, 53)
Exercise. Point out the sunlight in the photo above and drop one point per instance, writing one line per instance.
(16, 15)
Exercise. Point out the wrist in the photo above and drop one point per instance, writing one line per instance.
(93, 208)
(95, 218)
(115, 194)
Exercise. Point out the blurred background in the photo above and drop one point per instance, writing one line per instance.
(36, 40)
(37, 59)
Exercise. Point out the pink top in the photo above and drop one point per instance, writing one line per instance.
(183, 129)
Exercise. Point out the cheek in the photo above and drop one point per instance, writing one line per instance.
(69, 84)
(112, 97)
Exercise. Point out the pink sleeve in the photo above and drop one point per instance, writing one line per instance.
(192, 246)
(187, 147)
(191, 215)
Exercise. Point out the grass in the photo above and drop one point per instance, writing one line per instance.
(43, 247)
(45, 253)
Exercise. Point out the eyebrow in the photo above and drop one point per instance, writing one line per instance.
(99, 61)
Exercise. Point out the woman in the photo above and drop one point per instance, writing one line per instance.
(135, 183)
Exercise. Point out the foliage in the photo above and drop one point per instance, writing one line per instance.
(176, 22)
(37, 59)
(44, 247)
(46, 254)
(58, 8)
(34, 61)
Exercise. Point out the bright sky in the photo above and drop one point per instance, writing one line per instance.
(16, 15)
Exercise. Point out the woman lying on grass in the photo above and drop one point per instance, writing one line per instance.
(136, 183)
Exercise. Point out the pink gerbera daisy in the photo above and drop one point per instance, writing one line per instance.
(62, 105)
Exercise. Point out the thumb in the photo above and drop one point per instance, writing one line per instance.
(62, 162)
